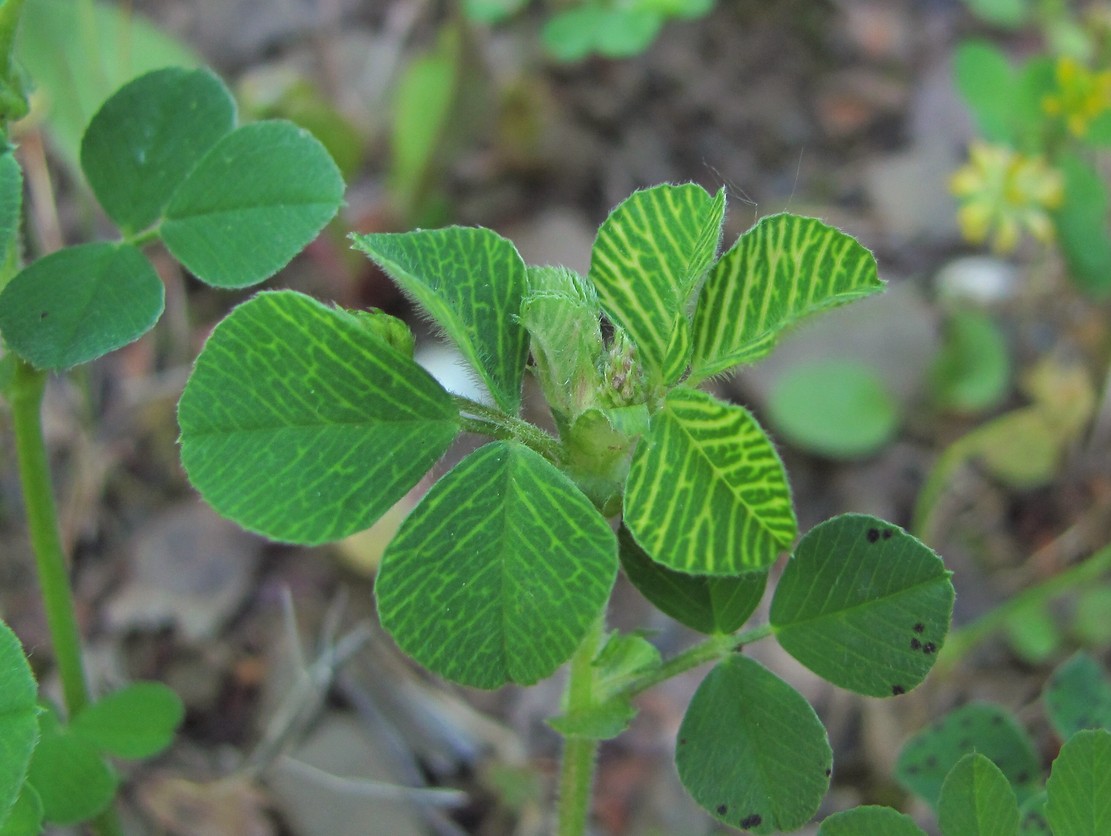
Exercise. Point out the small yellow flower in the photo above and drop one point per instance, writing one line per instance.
(1002, 193)
(1081, 95)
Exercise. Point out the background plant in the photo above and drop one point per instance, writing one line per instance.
(980, 772)
(167, 163)
(1043, 122)
(611, 28)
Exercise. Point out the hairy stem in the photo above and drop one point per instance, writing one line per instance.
(485, 420)
(710, 650)
(576, 776)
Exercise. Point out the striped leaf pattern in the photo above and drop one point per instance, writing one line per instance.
(707, 493)
(784, 268)
(648, 260)
(471, 282)
(563, 317)
(499, 572)
(301, 424)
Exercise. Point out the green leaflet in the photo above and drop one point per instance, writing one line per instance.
(833, 407)
(986, 80)
(1079, 786)
(648, 261)
(977, 727)
(80, 303)
(426, 97)
(1081, 225)
(783, 269)
(707, 493)
(135, 722)
(25, 816)
(19, 725)
(1078, 696)
(69, 775)
(707, 604)
(148, 136)
(300, 423)
(562, 314)
(751, 750)
(103, 50)
(253, 202)
(977, 800)
(869, 821)
(863, 604)
(499, 572)
(471, 281)
(11, 202)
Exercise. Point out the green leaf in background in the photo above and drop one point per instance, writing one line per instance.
(1010, 13)
(1037, 78)
(80, 303)
(1078, 696)
(751, 750)
(19, 725)
(69, 774)
(706, 604)
(1099, 130)
(1079, 786)
(492, 11)
(253, 202)
(988, 83)
(25, 816)
(1021, 448)
(649, 259)
(148, 136)
(1090, 623)
(1033, 633)
(11, 203)
(299, 423)
(426, 96)
(593, 27)
(833, 407)
(783, 269)
(707, 493)
(977, 800)
(683, 9)
(106, 45)
(1032, 816)
(972, 371)
(471, 281)
(498, 572)
(869, 821)
(863, 604)
(1082, 227)
(135, 722)
(992, 731)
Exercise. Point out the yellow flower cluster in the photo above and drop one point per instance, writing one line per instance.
(1002, 193)
(1081, 95)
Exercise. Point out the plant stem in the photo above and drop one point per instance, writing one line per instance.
(26, 394)
(576, 776)
(709, 650)
(961, 641)
(486, 420)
